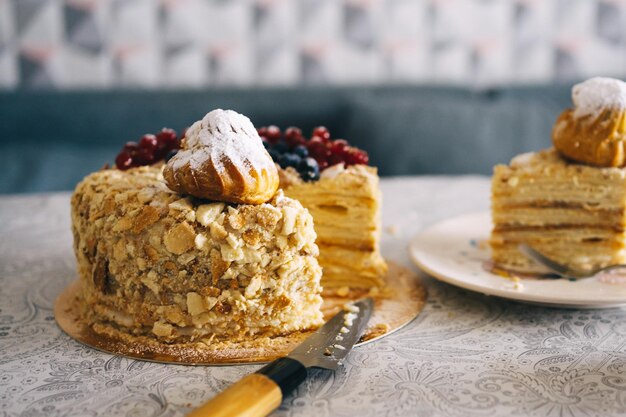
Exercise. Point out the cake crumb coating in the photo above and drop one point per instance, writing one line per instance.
(153, 263)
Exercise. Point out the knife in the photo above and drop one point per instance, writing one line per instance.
(260, 393)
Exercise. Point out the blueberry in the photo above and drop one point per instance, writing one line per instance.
(289, 160)
(310, 176)
(281, 147)
(309, 169)
(308, 164)
(301, 151)
(267, 145)
(274, 154)
(170, 154)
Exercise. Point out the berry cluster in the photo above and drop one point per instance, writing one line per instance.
(150, 149)
(309, 156)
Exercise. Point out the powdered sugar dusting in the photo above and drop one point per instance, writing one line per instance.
(220, 135)
(596, 94)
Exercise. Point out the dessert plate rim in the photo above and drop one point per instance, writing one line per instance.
(454, 251)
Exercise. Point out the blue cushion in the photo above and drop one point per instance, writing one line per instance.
(51, 139)
(451, 133)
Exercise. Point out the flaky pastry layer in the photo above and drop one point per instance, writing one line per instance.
(575, 214)
(346, 209)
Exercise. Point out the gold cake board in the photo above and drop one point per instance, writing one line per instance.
(395, 306)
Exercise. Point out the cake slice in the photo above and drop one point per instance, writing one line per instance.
(345, 205)
(333, 181)
(568, 202)
(573, 213)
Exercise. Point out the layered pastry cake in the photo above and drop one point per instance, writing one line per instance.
(202, 249)
(345, 205)
(568, 202)
(333, 181)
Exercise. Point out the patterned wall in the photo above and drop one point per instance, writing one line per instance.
(189, 43)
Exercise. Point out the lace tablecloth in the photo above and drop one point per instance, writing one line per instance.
(465, 355)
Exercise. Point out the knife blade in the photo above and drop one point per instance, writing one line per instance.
(260, 393)
(331, 343)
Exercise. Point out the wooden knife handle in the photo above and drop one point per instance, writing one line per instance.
(258, 394)
(254, 395)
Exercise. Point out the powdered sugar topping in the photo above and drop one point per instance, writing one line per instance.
(220, 135)
(596, 94)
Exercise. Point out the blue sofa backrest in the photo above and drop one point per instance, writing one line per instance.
(50, 140)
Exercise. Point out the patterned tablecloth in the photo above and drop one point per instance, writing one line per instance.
(465, 355)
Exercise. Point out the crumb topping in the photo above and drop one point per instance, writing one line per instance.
(180, 268)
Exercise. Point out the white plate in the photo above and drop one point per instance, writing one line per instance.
(455, 251)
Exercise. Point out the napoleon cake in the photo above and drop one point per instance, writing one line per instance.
(333, 181)
(568, 202)
(203, 249)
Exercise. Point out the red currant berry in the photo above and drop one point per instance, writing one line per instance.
(144, 156)
(335, 159)
(293, 132)
(262, 131)
(124, 160)
(168, 139)
(356, 156)
(338, 146)
(315, 142)
(293, 137)
(130, 147)
(322, 133)
(273, 134)
(322, 163)
(317, 148)
(363, 158)
(148, 142)
(295, 141)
